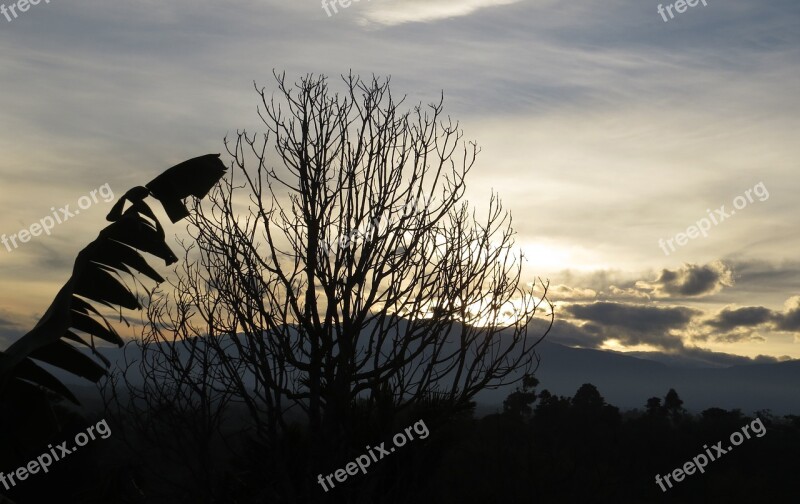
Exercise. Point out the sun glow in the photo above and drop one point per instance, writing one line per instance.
(549, 256)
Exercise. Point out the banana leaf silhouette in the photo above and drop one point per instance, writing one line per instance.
(194, 177)
(96, 277)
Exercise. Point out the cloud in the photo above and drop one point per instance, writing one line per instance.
(592, 335)
(569, 334)
(739, 335)
(688, 281)
(397, 12)
(619, 294)
(634, 324)
(739, 323)
(691, 280)
(731, 318)
(767, 279)
(789, 320)
(565, 293)
(673, 330)
(629, 314)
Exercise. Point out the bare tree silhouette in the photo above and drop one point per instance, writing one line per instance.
(349, 285)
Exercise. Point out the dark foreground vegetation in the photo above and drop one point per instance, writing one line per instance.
(541, 449)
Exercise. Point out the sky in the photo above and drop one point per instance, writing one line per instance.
(611, 135)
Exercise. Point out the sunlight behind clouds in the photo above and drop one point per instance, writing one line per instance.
(397, 12)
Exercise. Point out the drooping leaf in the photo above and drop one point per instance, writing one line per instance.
(29, 371)
(141, 235)
(194, 177)
(116, 254)
(95, 277)
(65, 356)
(87, 324)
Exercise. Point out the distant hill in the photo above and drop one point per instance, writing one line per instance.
(627, 381)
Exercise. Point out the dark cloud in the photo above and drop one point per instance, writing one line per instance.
(738, 323)
(634, 317)
(633, 324)
(692, 280)
(569, 334)
(592, 335)
(789, 320)
(630, 314)
(739, 336)
(731, 318)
